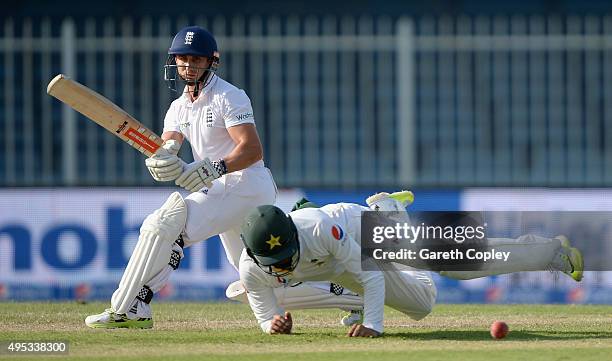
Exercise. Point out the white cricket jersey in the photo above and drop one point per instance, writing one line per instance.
(204, 122)
(328, 252)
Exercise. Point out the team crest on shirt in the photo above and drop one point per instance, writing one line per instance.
(337, 232)
(209, 118)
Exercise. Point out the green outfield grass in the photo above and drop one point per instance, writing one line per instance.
(224, 331)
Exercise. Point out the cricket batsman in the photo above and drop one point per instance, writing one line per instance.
(323, 244)
(227, 179)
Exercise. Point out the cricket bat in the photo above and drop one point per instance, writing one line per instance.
(104, 112)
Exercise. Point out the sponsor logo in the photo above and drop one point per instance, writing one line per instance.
(189, 37)
(244, 116)
(317, 262)
(141, 139)
(183, 126)
(30, 244)
(121, 127)
(204, 172)
(337, 232)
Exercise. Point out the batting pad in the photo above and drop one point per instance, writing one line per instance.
(152, 253)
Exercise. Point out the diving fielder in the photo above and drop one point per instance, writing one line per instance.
(323, 244)
(227, 178)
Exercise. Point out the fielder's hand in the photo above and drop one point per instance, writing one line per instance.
(198, 175)
(359, 330)
(281, 324)
(165, 165)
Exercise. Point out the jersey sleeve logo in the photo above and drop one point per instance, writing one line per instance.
(337, 232)
(244, 116)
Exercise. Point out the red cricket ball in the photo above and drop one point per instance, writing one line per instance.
(499, 329)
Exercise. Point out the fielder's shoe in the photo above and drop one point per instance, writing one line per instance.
(572, 257)
(351, 318)
(397, 201)
(110, 319)
(405, 197)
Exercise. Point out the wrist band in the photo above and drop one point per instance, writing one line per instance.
(220, 166)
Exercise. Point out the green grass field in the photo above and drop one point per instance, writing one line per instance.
(225, 331)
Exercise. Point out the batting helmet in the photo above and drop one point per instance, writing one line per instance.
(192, 40)
(271, 240)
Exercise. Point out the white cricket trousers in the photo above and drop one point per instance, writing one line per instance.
(221, 209)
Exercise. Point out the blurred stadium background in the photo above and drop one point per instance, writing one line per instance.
(471, 104)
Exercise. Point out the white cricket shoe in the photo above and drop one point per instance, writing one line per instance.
(111, 319)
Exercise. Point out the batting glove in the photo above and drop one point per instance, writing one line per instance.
(165, 165)
(198, 175)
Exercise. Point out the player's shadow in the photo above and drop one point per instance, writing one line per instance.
(464, 335)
